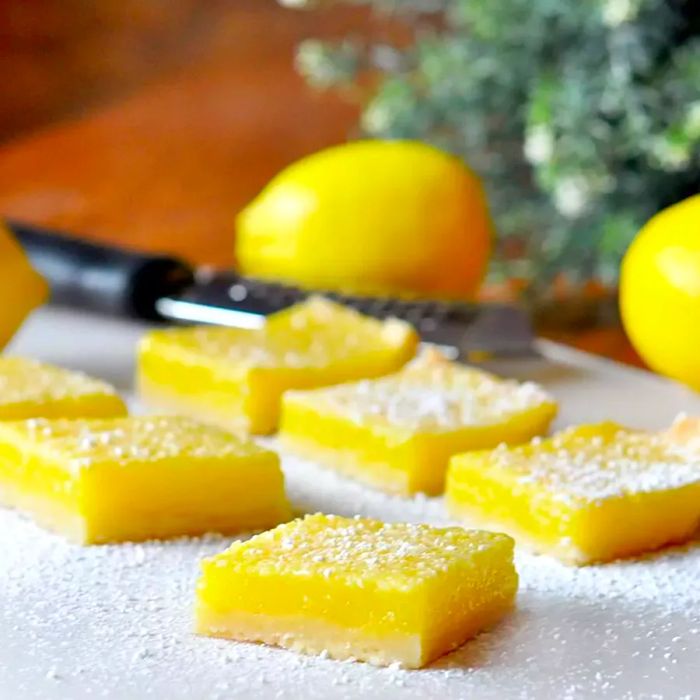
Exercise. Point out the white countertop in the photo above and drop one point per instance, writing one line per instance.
(115, 621)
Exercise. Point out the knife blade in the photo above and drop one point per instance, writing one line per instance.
(110, 280)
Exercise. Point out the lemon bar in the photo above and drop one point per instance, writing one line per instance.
(398, 432)
(31, 389)
(591, 493)
(235, 377)
(358, 588)
(109, 480)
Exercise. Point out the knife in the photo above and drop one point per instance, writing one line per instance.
(119, 282)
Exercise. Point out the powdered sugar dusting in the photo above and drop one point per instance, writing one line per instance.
(362, 551)
(116, 621)
(595, 463)
(80, 444)
(25, 382)
(429, 394)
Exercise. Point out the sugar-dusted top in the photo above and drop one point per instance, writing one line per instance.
(430, 393)
(28, 381)
(315, 333)
(593, 462)
(362, 550)
(80, 444)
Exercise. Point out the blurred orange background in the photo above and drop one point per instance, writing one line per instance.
(196, 105)
(150, 123)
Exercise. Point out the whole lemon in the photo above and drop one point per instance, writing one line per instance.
(660, 292)
(370, 217)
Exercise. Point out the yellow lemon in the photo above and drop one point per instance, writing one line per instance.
(21, 287)
(660, 292)
(370, 217)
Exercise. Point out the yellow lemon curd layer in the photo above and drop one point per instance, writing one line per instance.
(31, 389)
(108, 480)
(235, 377)
(592, 493)
(358, 588)
(398, 432)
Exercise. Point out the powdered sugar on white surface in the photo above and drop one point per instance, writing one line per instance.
(116, 621)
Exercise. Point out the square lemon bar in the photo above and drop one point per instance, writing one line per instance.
(31, 389)
(358, 588)
(235, 377)
(398, 432)
(592, 493)
(108, 480)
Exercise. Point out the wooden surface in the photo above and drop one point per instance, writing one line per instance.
(62, 58)
(168, 168)
(67, 56)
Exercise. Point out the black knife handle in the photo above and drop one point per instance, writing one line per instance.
(101, 278)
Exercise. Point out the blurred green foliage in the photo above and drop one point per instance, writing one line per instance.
(582, 116)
